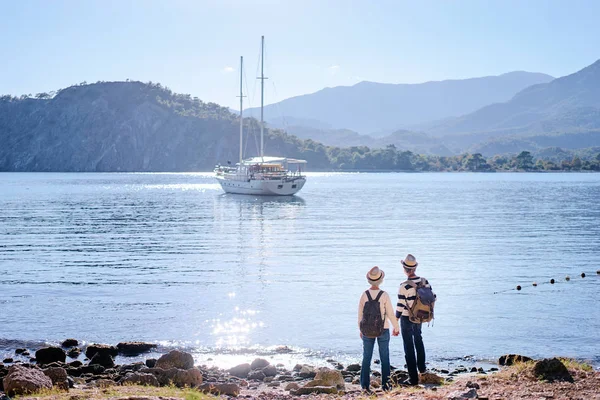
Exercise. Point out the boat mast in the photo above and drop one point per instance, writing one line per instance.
(262, 94)
(241, 106)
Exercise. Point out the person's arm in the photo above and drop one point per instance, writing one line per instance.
(406, 297)
(361, 306)
(389, 314)
(401, 305)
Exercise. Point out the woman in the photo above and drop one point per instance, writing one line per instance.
(376, 327)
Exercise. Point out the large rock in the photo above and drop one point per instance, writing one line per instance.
(256, 376)
(139, 378)
(74, 352)
(552, 369)
(429, 378)
(259, 363)
(241, 371)
(70, 343)
(21, 380)
(187, 378)
(270, 370)
(307, 372)
(58, 376)
(49, 355)
(175, 359)
(151, 362)
(510, 359)
(330, 377)
(134, 348)
(228, 389)
(104, 359)
(94, 349)
(181, 378)
(353, 368)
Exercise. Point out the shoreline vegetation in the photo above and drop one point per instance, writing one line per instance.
(49, 376)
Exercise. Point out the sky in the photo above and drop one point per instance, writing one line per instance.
(193, 46)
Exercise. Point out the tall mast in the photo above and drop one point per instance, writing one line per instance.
(262, 94)
(241, 106)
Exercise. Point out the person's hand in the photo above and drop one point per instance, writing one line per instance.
(396, 332)
(361, 335)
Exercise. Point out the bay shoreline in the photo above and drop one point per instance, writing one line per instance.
(255, 378)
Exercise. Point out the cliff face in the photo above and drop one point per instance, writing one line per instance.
(115, 126)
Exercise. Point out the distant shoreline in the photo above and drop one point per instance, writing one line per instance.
(350, 171)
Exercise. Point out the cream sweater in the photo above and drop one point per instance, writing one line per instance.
(385, 304)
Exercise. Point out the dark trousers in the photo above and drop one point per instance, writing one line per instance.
(383, 342)
(411, 336)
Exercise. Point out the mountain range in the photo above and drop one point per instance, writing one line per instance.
(370, 107)
(540, 112)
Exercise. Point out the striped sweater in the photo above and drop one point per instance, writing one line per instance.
(407, 295)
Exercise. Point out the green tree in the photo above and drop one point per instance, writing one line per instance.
(524, 161)
(475, 162)
(405, 161)
(576, 163)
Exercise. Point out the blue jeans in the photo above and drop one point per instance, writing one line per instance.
(383, 342)
(411, 336)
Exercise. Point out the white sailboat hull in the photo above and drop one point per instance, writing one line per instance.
(262, 187)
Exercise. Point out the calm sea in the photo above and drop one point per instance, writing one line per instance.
(170, 258)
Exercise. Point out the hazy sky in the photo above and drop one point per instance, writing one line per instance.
(194, 46)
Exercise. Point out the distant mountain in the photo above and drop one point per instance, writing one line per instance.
(564, 112)
(371, 107)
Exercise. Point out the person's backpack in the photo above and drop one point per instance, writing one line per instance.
(422, 308)
(371, 324)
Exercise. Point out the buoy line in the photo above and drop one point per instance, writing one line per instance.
(551, 282)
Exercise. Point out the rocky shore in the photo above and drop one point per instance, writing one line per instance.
(49, 373)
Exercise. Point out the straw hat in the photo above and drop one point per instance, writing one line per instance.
(375, 276)
(410, 261)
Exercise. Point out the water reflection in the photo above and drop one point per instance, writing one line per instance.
(253, 230)
(246, 199)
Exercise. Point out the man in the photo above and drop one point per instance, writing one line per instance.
(378, 325)
(411, 332)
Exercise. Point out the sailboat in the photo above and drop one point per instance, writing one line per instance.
(262, 175)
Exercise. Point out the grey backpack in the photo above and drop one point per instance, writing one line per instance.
(371, 324)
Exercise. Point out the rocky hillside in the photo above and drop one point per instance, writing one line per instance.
(120, 126)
